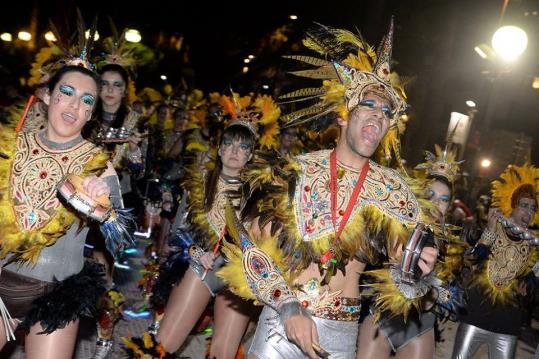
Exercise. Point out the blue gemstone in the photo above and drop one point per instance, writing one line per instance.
(32, 217)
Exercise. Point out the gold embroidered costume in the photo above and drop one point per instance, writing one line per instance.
(32, 217)
(510, 259)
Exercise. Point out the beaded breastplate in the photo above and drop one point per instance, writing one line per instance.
(383, 188)
(36, 171)
(508, 259)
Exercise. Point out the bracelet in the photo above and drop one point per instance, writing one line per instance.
(195, 252)
(488, 237)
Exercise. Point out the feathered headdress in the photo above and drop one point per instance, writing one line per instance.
(443, 163)
(117, 50)
(349, 69)
(510, 180)
(258, 113)
(74, 51)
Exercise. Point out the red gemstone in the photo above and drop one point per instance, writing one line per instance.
(43, 175)
(337, 303)
(277, 293)
(402, 203)
(65, 158)
(305, 303)
(307, 188)
(35, 152)
(341, 213)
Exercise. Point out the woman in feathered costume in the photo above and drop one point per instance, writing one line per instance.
(44, 283)
(207, 194)
(413, 337)
(506, 267)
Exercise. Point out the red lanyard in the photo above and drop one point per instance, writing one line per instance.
(353, 199)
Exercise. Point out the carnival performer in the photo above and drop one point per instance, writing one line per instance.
(116, 130)
(44, 283)
(322, 216)
(505, 270)
(413, 337)
(207, 195)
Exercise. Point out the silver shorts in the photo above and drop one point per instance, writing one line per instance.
(211, 280)
(339, 338)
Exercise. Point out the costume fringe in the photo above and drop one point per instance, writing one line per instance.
(388, 297)
(73, 298)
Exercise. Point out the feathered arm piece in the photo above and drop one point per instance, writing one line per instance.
(117, 230)
(264, 278)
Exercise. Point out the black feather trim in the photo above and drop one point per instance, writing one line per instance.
(170, 273)
(73, 298)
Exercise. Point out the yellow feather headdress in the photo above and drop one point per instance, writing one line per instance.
(259, 113)
(510, 180)
(349, 69)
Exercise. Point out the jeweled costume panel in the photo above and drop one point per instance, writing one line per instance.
(35, 173)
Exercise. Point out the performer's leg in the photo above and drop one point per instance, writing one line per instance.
(503, 346)
(372, 343)
(230, 322)
(58, 345)
(421, 347)
(467, 341)
(186, 303)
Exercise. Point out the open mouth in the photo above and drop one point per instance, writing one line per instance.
(371, 132)
(69, 118)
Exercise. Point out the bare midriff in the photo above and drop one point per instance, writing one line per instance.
(348, 284)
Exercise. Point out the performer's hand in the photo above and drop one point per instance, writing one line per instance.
(493, 215)
(427, 259)
(301, 330)
(95, 187)
(134, 139)
(207, 260)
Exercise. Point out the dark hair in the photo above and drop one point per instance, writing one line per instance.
(443, 180)
(237, 132)
(122, 110)
(524, 191)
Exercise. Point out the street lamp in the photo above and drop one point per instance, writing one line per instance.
(509, 42)
(485, 163)
(470, 103)
(6, 36)
(24, 36)
(133, 35)
(49, 36)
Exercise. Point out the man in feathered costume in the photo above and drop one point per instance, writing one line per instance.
(506, 267)
(320, 218)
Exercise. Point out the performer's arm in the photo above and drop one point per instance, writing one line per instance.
(265, 279)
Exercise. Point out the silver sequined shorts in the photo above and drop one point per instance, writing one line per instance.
(339, 338)
(211, 280)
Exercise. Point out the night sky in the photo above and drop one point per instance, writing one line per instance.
(434, 43)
